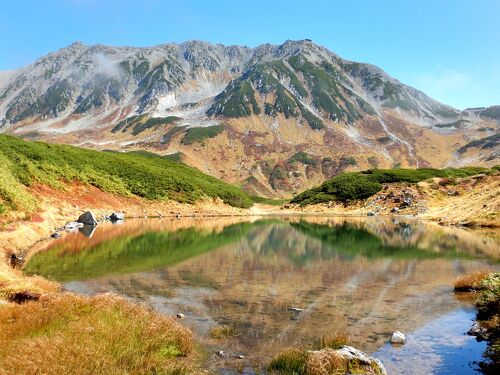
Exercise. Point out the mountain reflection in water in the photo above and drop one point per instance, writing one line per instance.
(365, 276)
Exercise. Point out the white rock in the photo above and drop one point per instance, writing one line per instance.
(398, 338)
(180, 316)
(73, 225)
(322, 359)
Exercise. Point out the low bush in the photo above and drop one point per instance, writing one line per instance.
(127, 174)
(200, 134)
(344, 187)
(360, 185)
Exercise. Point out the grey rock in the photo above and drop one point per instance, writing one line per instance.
(87, 218)
(481, 333)
(371, 213)
(55, 235)
(395, 210)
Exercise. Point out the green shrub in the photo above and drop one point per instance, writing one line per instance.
(200, 134)
(360, 185)
(137, 174)
(304, 158)
(349, 186)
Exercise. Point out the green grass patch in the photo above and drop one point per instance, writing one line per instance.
(124, 174)
(140, 123)
(200, 134)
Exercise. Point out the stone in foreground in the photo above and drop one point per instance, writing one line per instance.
(87, 218)
(346, 360)
(398, 338)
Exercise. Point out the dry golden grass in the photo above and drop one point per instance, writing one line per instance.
(70, 334)
(471, 281)
(14, 286)
(317, 358)
(222, 331)
(334, 341)
(326, 362)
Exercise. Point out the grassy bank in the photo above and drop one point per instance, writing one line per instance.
(360, 185)
(486, 286)
(125, 174)
(69, 334)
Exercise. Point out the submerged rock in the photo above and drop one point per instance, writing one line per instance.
(87, 218)
(346, 360)
(398, 338)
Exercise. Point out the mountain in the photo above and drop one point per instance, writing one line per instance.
(274, 119)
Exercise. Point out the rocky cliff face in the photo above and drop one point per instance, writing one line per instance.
(274, 118)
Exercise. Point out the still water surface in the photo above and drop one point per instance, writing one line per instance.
(364, 276)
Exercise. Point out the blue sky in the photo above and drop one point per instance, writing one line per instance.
(450, 49)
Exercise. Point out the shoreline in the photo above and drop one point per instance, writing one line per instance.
(24, 235)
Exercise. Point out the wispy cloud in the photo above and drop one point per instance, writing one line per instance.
(443, 80)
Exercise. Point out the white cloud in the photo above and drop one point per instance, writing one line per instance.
(443, 80)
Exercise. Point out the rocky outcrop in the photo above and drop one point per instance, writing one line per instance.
(346, 360)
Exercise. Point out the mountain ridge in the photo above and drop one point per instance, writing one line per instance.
(272, 102)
